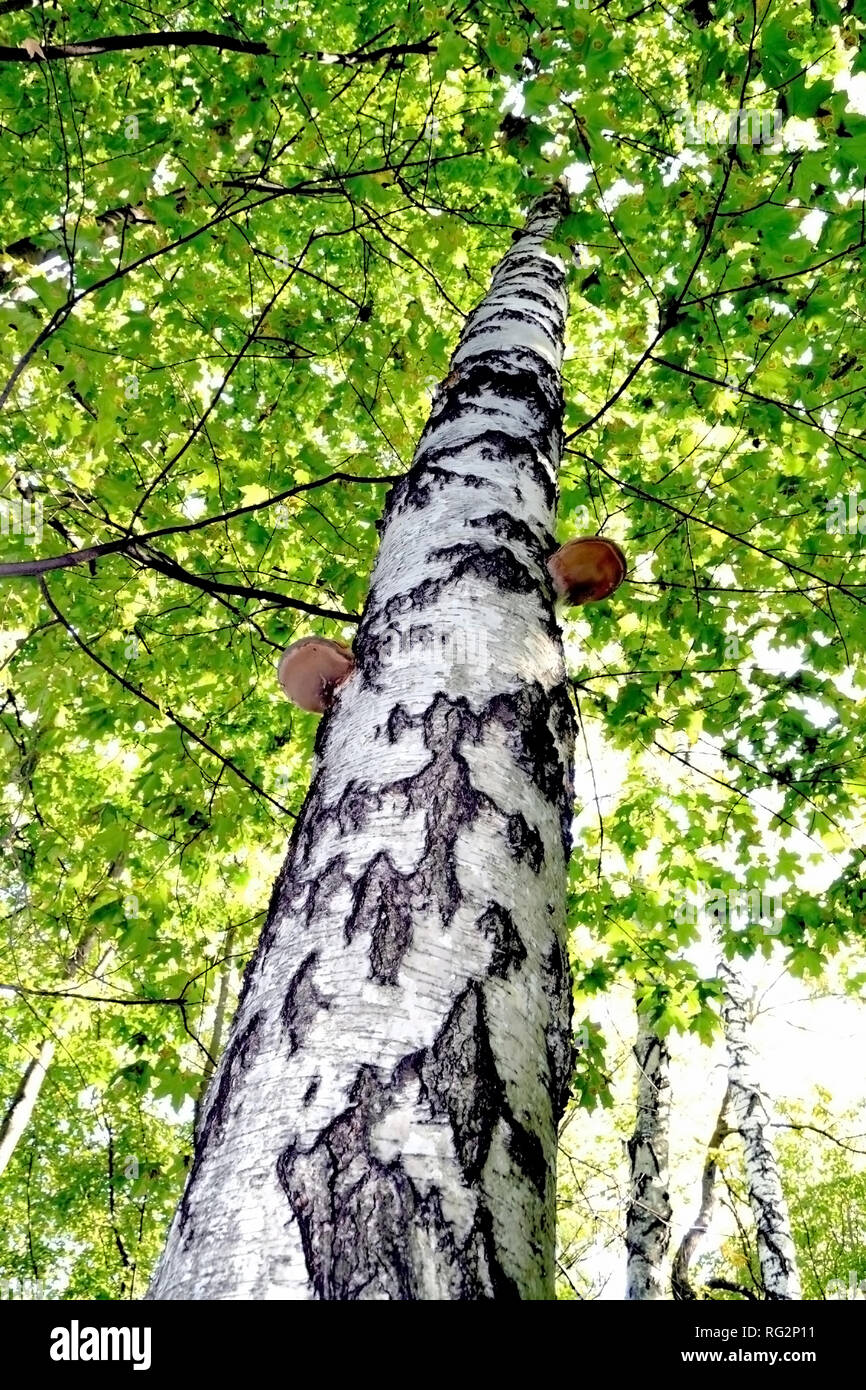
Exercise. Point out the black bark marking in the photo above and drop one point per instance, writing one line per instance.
(357, 1213)
(526, 716)
(527, 1151)
(342, 1222)
(443, 790)
(499, 566)
(527, 264)
(511, 528)
(353, 807)
(398, 721)
(524, 841)
(559, 1042)
(381, 906)
(564, 725)
(415, 489)
(509, 952)
(302, 1003)
(324, 887)
(518, 376)
(459, 1074)
(548, 304)
(476, 328)
(238, 1056)
(494, 445)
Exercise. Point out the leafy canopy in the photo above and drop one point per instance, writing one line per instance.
(231, 276)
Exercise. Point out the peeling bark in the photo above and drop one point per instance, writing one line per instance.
(382, 1124)
(648, 1219)
(749, 1113)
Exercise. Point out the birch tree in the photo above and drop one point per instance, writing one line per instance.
(648, 1216)
(749, 1114)
(688, 1247)
(382, 1124)
(236, 256)
(20, 1109)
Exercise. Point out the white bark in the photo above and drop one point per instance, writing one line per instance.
(688, 1247)
(749, 1113)
(648, 1219)
(382, 1124)
(219, 1022)
(20, 1111)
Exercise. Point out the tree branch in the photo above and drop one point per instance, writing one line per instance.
(117, 43)
(163, 564)
(166, 713)
(23, 569)
(193, 38)
(847, 589)
(729, 1287)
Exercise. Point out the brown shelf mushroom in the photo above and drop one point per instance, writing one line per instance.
(311, 669)
(587, 569)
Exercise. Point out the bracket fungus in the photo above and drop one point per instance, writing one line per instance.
(587, 569)
(311, 669)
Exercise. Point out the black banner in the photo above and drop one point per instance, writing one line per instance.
(84, 1341)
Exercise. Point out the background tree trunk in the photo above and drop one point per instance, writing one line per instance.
(688, 1246)
(766, 1198)
(648, 1219)
(219, 1022)
(382, 1124)
(20, 1110)
(23, 1103)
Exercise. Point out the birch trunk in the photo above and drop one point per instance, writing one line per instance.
(773, 1228)
(20, 1110)
(688, 1247)
(219, 1022)
(23, 1103)
(648, 1219)
(382, 1124)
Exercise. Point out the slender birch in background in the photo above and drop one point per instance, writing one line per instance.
(648, 1219)
(688, 1247)
(775, 1243)
(23, 1103)
(21, 1108)
(220, 1020)
(382, 1124)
